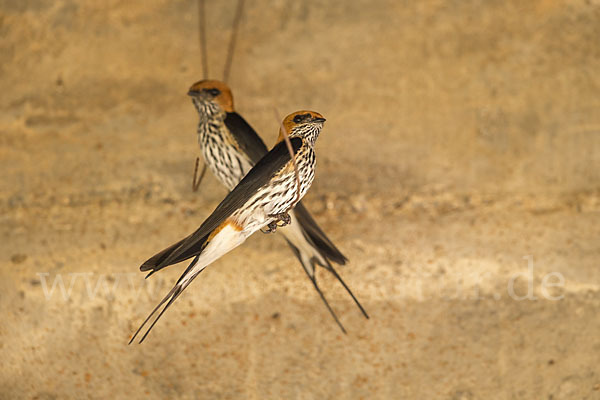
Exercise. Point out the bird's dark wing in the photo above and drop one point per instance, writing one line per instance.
(256, 178)
(158, 259)
(317, 236)
(246, 137)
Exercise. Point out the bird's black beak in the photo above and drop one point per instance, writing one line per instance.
(321, 120)
(193, 93)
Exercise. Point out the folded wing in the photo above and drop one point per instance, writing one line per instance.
(256, 178)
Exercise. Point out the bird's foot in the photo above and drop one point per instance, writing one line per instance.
(272, 227)
(283, 217)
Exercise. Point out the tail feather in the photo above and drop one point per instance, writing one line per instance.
(339, 278)
(309, 265)
(337, 321)
(312, 247)
(318, 238)
(171, 296)
(203, 251)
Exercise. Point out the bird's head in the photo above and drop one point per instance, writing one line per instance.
(211, 97)
(305, 124)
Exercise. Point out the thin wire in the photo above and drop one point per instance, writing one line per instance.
(202, 37)
(204, 55)
(196, 183)
(204, 52)
(232, 40)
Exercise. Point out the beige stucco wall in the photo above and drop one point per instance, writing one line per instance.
(461, 137)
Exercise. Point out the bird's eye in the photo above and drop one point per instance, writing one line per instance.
(298, 118)
(214, 92)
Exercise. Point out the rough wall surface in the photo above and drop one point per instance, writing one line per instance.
(459, 170)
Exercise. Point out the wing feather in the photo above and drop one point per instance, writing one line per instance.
(256, 178)
(246, 137)
(318, 238)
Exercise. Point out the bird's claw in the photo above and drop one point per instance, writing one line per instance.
(283, 217)
(272, 227)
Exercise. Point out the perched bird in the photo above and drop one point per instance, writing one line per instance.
(262, 198)
(230, 148)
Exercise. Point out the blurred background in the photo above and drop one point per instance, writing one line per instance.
(459, 171)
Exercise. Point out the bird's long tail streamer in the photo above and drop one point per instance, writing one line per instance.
(171, 296)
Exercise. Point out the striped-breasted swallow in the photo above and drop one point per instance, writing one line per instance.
(230, 147)
(263, 197)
